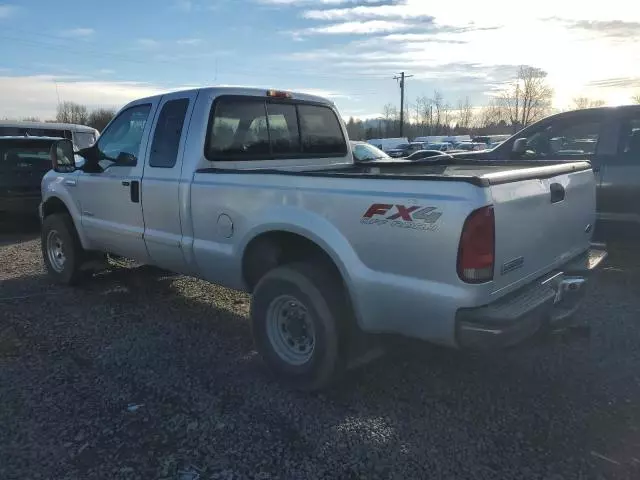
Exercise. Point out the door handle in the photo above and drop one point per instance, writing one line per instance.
(70, 183)
(125, 183)
(135, 191)
(557, 192)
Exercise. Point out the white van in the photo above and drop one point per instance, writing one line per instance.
(81, 135)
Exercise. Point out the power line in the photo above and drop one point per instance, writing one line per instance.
(402, 78)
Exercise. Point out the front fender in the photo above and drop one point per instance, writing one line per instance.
(54, 188)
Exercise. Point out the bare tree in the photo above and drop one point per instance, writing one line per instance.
(99, 118)
(465, 114)
(636, 98)
(391, 117)
(31, 119)
(528, 98)
(438, 108)
(586, 102)
(71, 112)
(491, 114)
(423, 105)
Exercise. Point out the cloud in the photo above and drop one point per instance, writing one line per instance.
(320, 2)
(35, 95)
(147, 43)
(183, 5)
(358, 28)
(7, 10)
(617, 29)
(398, 10)
(78, 33)
(189, 41)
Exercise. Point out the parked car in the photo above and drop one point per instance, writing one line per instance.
(81, 135)
(470, 146)
(365, 152)
(23, 163)
(386, 144)
(198, 182)
(442, 146)
(420, 154)
(609, 137)
(405, 149)
(491, 141)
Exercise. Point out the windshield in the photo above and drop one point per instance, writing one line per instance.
(363, 152)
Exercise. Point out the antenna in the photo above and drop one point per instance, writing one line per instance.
(57, 92)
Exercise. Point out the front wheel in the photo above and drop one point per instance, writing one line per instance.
(61, 249)
(296, 313)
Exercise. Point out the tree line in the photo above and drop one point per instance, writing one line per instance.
(71, 112)
(523, 101)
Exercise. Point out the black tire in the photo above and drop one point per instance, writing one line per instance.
(322, 294)
(70, 272)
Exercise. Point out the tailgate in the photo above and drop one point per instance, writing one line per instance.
(541, 223)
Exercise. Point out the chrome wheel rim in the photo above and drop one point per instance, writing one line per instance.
(290, 330)
(55, 251)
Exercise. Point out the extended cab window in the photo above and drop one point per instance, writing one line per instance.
(239, 129)
(166, 139)
(260, 129)
(124, 135)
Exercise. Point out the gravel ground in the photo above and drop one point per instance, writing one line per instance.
(140, 375)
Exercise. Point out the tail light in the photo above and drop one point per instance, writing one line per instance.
(476, 253)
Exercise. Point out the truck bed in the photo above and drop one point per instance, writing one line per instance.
(482, 174)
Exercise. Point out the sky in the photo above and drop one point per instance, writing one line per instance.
(104, 54)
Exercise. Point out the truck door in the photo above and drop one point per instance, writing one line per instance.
(110, 199)
(620, 189)
(162, 180)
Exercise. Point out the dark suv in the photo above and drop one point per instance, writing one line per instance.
(23, 163)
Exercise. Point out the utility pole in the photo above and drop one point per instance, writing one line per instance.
(402, 78)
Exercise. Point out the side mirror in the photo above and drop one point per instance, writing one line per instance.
(62, 156)
(125, 159)
(519, 146)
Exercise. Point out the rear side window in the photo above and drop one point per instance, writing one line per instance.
(245, 128)
(166, 139)
(321, 132)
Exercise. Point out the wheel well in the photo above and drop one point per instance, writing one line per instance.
(54, 205)
(270, 250)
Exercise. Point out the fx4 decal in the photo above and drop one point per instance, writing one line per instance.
(415, 216)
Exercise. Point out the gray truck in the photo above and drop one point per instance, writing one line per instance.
(257, 191)
(609, 137)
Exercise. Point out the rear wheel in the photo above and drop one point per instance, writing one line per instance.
(61, 249)
(296, 313)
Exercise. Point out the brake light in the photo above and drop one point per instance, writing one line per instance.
(278, 94)
(476, 253)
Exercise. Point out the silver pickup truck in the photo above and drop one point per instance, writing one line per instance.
(257, 190)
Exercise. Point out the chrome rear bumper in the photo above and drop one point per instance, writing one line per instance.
(546, 304)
